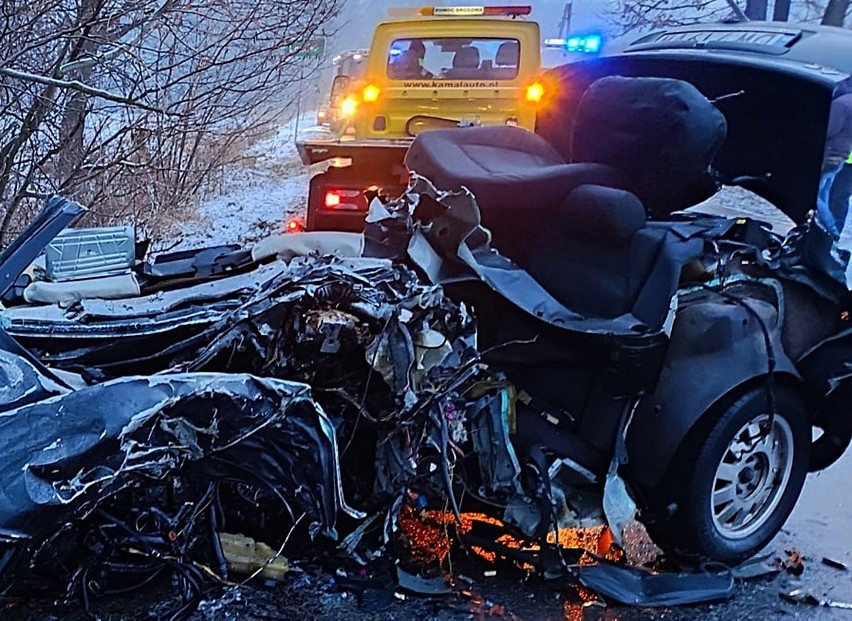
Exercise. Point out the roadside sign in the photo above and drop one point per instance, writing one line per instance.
(312, 48)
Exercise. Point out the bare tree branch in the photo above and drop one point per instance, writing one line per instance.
(75, 85)
(133, 106)
(737, 10)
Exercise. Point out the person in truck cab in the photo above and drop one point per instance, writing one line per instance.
(409, 65)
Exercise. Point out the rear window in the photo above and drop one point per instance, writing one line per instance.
(454, 58)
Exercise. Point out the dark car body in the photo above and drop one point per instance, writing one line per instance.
(612, 332)
(774, 82)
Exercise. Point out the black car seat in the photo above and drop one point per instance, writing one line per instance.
(465, 64)
(662, 135)
(517, 177)
(580, 229)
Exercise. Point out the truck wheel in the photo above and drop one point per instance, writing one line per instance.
(738, 477)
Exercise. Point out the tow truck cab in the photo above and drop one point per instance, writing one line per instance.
(349, 68)
(441, 67)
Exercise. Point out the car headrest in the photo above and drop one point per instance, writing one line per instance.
(466, 58)
(508, 54)
(661, 134)
(600, 216)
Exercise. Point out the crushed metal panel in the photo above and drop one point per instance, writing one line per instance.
(64, 455)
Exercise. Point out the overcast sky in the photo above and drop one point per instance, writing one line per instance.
(361, 16)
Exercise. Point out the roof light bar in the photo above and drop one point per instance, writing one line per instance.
(516, 10)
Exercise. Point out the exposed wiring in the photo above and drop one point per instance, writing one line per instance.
(277, 555)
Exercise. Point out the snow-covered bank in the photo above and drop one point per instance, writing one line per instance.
(255, 197)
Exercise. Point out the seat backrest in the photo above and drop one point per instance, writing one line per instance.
(585, 255)
(508, 54)
(466, 58)
(506, 61)
(465, 64)
(661, 134)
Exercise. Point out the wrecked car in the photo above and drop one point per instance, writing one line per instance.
(542, 328)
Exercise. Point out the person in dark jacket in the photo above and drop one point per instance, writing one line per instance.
(836, 184)
(841, 190)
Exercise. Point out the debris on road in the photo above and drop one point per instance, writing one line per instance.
(249, 557)
(757, 567)
(639, 587)
(834, 564)
(793, 563)
(803, 596)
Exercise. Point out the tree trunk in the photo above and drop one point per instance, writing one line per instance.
(756, 9)
(835, 13)
(781, 12)
(72, 155)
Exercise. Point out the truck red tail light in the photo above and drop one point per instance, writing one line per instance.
(345, 200)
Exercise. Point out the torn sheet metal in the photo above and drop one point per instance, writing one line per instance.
(23, 382)
(803, 596)
(264, 322)
(23, 320)
(640, 587)
(429, 586)
(619, 508)
(17, 256)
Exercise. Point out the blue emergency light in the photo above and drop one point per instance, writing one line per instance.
(588, 44)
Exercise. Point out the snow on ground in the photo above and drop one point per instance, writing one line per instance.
(735, 202)
(256, 197)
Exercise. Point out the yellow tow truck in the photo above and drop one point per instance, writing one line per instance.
(441, 67)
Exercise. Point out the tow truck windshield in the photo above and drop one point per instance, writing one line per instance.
(454, 58)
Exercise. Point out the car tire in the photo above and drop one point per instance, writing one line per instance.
(733, 493)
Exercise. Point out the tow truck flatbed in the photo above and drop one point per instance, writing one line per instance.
(314, 151)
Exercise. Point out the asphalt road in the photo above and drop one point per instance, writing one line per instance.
(820, 526)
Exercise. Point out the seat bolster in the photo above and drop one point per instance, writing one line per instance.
(449, 156)
(605, 216)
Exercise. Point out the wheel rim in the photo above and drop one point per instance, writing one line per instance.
(751, 477)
